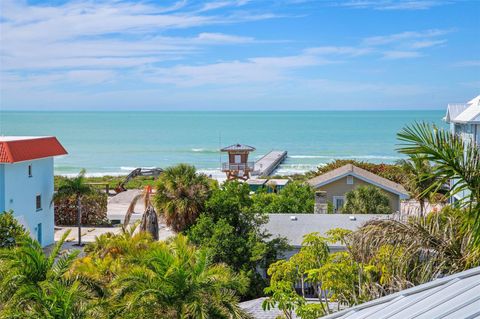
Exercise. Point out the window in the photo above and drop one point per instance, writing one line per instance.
(29, 170)
(338, 202)
(38, 202)
(350, 180)
(238, 159)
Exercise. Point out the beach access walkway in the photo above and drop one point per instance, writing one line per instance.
(268, 163)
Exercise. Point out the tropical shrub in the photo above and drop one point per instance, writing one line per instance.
(366, 200)
(284, 274)
(420, 183)
(232, 233)
(10, 230)
(294, 198)
(121, 276)
(382, 257)
(94, 210)
(138, 182)
(457, 163)
(34, 285)
(181, 195)
(176, 280)
(157, 279)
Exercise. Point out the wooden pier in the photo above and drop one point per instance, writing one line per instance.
(268, 163)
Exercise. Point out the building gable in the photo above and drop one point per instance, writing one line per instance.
(364, 175)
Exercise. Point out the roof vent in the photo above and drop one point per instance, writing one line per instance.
(352, 218)
(293, 217)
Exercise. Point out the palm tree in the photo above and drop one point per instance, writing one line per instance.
(149, 222)
(181, 194)
(366, 200)
(419, 179)
(177, 280)
(34, 285)
(78, 188)
(431, 246)
(455, 160)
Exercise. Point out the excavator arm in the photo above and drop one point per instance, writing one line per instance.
(155, 172)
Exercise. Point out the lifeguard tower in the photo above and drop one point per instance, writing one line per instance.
(238, 166)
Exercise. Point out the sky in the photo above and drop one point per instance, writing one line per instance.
(238, 54)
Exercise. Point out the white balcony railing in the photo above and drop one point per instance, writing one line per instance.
(238, 167)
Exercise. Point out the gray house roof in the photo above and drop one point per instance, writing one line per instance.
(456, 296)
(360, 173)
(254, 308)
(295, 226)
(238, 147)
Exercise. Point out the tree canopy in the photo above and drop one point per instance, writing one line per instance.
(366, 200)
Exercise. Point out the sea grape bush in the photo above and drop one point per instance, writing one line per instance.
(94, 210)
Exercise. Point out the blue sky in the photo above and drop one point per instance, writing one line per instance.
(238, 54)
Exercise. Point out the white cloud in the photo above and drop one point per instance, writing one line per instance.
(89, 44)
(402, 37)
(90, 76)
(214, 5)
(223, 38)
(333, 50)
(394, 4)
(406, 44)
(106, 34)
(394, 55)
(427, 43)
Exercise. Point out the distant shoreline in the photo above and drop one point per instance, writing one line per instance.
(411, 109)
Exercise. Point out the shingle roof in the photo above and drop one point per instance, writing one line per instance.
(369, 177)
(238, 147)
(295, 228)
(455, 296)
(17, 149)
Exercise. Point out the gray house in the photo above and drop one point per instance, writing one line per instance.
(336, 183)
(294, 227)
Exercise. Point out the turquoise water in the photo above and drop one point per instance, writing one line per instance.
(116, 142)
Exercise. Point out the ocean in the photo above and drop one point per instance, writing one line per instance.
(114, 143)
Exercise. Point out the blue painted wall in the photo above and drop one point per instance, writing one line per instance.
(18, 193)
(2, 188)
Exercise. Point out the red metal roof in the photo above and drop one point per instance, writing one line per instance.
(14, 150)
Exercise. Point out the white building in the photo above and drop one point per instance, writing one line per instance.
(26, 182)
(464, 120)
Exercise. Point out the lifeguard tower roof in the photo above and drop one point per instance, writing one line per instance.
(238, 147)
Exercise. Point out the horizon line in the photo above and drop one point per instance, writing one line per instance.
(226, 111)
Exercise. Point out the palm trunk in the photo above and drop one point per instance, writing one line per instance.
(79, 219)
(324, 292)
(422, 207)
